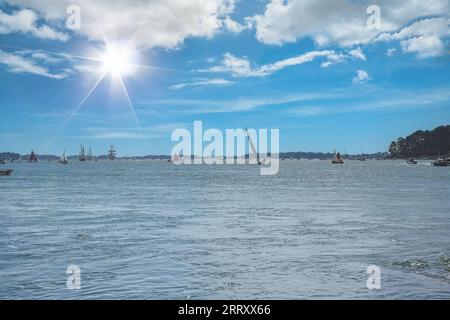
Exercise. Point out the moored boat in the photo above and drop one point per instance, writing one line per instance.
(6, 172)
(33, 157)
(337, 159)
(441, 163)
(411, 161)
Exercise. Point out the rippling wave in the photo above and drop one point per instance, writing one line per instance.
(152, 230)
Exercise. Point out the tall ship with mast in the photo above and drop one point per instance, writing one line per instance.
(112, 153)
(82, 155)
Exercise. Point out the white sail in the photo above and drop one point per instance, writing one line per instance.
(252, 146)
(63, 156)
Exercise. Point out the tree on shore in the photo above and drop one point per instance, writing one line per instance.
(429, 143)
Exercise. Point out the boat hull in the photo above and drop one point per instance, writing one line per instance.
(6, 172)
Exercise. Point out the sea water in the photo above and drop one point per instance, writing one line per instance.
(154, 230)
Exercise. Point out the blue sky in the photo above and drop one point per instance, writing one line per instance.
(314, 69)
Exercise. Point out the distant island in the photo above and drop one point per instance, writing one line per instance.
(422, 144)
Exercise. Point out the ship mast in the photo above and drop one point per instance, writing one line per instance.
(82, 156)
(112, 153)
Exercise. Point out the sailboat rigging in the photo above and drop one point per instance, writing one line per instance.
(112, 153)
(63, 159)
(89, 156)
(252, 146)
(337, 158)
(82, 155)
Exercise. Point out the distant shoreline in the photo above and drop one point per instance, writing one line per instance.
(283, 155)
(12, 156)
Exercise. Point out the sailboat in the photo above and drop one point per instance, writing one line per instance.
(252, 146)
(337, 158)
(362, 158)
(89, 155)
(33, 157)
(175, 158)
(63, 159)
(112, 153)
(82, 155)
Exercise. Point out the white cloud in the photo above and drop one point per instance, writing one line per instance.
(422, 37)
(313, 103)
(45, 57)
(380, 101)
(200, 83)
(25, 21)
(238, 67)
(157, 23)
(334, 59)
(241, 67)
(117, 135)
(17, 63)
(361, 76)
(155, 131)
(425, 47)
(358, 54)
(390, 52)
(202, 106)
(233, 26)
(86, 68)
(344, 23)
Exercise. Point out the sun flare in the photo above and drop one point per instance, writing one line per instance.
(118, 62)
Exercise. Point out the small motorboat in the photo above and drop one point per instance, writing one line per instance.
(411, 161)
(6, 172)
(441, 163)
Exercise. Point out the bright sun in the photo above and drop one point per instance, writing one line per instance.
(117, 62)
